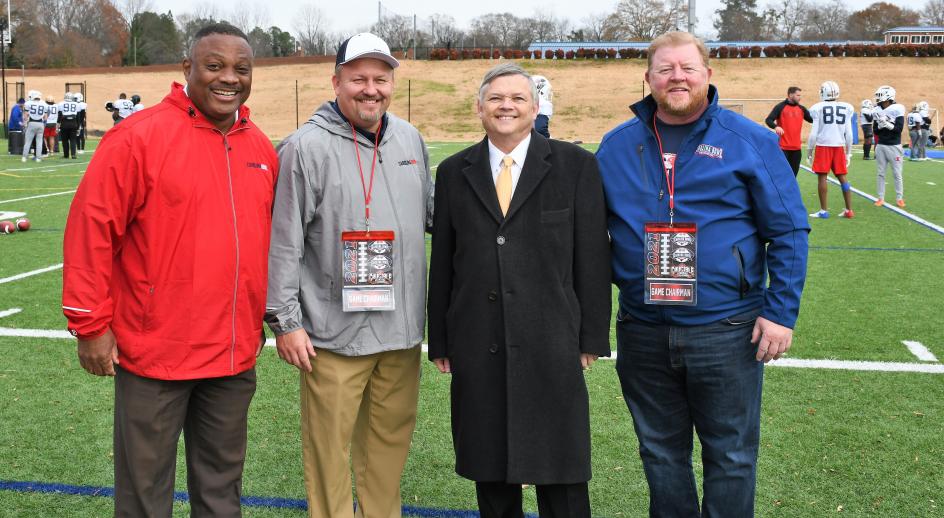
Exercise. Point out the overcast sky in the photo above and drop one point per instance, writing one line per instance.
(349, 15)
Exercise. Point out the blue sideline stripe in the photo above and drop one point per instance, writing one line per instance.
(248, 501)
(876, 249)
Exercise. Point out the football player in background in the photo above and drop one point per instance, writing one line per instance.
(868, 135)
(914, 132)
(123, 107)
(924, 131)
(545, 106)
(136, 101)
(80, 133)
(68, 125)
(52, 125)
(830, 146)
(34, 120)
(889, 123)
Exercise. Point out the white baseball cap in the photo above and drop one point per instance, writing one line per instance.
(365, 45)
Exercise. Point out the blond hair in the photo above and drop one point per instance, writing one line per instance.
(677, 39)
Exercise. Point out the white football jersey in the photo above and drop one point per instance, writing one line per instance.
(138, 107)
(891, 113)
(53, 113)
(865, 117)
(124, 106)
(68, 108)
(35, 110)
(82, 106)
(832, 124)
(914, 120)
(545, 108)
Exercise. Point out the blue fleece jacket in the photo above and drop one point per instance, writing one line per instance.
(734, 183)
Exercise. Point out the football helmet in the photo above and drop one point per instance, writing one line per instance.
(866, 104)
(50, 99)
(829, 91)
(68, 97)
(78, 97)
(136, 99)
(543, 86)
(884, 93)
(34, 95)
(923, 106)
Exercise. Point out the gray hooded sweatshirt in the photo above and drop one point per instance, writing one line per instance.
(318, 196)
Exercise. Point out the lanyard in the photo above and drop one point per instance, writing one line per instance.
(669, 179)
(368, 188)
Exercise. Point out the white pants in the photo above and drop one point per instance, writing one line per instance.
(886, 155)
(34, 132)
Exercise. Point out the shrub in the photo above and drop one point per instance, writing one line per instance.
(559, 54)
(882, 50)
(837, 51)
(570, 54)
(496, 54)
(744, 52)
(476, 53)
(611, 53)
(454, 54)
(773, 51)
(548, 54)
(601, 53)
(756, 51)
(722, 52)
(713, 53)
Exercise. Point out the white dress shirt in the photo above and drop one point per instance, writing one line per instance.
(518, 154)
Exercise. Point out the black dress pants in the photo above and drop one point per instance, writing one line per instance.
(501, 500)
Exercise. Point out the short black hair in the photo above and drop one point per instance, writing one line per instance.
(216, 28)
(793, 90)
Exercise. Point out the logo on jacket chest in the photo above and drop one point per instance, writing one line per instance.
(255, 165)
(411, 161)
(709, 151)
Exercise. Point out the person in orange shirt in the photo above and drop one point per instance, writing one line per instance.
(786, 119)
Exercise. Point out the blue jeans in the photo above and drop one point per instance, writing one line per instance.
(676, 379)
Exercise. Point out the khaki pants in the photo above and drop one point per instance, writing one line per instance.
(358, 412)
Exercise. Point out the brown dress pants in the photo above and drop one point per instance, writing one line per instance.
(149, 416)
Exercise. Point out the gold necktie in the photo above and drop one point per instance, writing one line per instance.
(503, 184)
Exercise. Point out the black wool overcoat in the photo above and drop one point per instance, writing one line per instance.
(513, 302)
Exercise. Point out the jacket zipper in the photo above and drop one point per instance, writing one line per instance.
(400, 258)
(232, 199)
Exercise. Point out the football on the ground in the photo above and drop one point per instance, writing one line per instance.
(23, 224)
(7, 227)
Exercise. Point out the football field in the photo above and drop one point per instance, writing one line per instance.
(853, 418)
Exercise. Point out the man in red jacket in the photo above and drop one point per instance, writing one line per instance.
(164, 280)
(786, 119)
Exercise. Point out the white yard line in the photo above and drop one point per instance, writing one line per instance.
(39, 196)
(920, 351)
(8, 312)
(890, 206)
(784, 362)
(30, 274)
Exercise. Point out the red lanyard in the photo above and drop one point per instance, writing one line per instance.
(669, 179)
(368, 189)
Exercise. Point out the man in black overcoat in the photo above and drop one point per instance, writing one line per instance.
(519, 303)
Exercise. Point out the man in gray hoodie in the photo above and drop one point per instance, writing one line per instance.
(347, 283)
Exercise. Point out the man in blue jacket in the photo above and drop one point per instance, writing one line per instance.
(702, 208)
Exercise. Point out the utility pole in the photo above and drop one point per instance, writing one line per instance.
(3, 71)
(691, 16)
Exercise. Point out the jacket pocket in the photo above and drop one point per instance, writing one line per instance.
(146, 309)
(743, 285)
(555, 216)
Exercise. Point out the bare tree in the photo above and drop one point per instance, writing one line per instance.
(443, 30)
(544, 26)
(785, 20)
(247, 17)
(643, 20)
(824, 22)
(311, 29)
(396, 30)
(131, 8)
(594, 25)
(933, 13)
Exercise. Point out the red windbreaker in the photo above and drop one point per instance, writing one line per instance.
(167, 242)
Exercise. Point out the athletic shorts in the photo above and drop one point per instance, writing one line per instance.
(826, 158)
(49, 131)
(867, 139)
